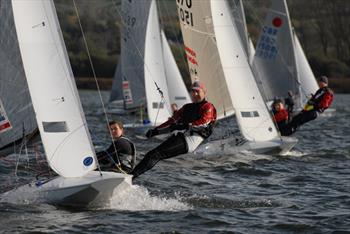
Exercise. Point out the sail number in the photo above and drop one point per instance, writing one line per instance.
(185, 15)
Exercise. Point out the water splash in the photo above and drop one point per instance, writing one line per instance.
(138, 198)
(25, 194)
(295, 153)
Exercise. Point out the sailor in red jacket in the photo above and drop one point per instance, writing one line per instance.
(318, 103)
(194, 122)
(280, 115)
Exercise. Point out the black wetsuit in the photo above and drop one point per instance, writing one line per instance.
(125, 153)
(195, 113)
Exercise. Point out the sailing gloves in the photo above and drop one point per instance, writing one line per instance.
(152, 132)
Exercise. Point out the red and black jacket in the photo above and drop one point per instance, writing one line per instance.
(201, 116)
(322, 99)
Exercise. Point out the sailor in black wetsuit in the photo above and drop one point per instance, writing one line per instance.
(121, 150)
(194, 122)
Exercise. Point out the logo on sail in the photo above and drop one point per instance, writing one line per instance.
(4, 121)
(88, 161)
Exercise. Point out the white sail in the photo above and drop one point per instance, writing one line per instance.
(158, 108)
(274, 61)
(241, 25)
(307, 78)
(17, 117)
(252, 115)
(59, 114)
(134, 16)
(177, 90)
(202, 53)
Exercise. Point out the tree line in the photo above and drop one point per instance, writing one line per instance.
(322, 27)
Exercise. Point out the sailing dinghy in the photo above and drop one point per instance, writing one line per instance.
(280, 62)
(59, 115)
(146, 66)
(259, 133)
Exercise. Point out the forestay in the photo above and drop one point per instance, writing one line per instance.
(202, 53)
(274, 61)
(252, 115)
(60, 118)
(17, 118)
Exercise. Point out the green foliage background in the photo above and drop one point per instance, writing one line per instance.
(322, 26)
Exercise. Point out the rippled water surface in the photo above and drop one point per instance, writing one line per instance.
(307, 191)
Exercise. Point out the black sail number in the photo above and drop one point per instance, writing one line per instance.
(185, 15)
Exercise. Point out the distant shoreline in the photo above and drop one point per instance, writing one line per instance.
(339, 85)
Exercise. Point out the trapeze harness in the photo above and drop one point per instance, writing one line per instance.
(193, 123)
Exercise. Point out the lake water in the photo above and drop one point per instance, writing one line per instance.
(307, 191)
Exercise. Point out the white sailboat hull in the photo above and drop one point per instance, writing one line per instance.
(90, 190)
(233, 146)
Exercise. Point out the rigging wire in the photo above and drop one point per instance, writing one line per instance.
(98, 89)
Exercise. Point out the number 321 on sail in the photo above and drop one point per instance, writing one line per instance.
(186, 15)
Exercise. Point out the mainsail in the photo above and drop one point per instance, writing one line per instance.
(131, 60)
(274, 61)
(59, 114)
(146, 65)
(202, 52)
(17, 118)
(253, 118)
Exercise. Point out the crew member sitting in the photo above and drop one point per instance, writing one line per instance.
(280, 115)
(121, 154)
(318, 103)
